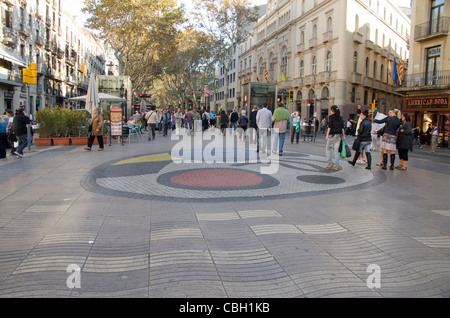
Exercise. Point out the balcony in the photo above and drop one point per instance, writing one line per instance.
(377, 49)
(326, 77)
(327, 36)
(356, 78)
(313, 42)
(357, 37)
(9, 37)
(24, 30)
(300, 47)
(425, 81)
(369, 45)
(432, 29)
(310, 80)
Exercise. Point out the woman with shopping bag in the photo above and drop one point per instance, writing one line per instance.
(365, 140)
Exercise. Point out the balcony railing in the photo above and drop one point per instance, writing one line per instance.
(432, 29)
(425, 81)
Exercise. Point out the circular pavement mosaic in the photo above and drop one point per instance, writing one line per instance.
(161, 177)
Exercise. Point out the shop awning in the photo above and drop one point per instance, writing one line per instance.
(12, 57)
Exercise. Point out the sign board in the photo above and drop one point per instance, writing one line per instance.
(207, 92)
(116, 122)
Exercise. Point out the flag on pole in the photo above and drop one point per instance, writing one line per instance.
(266, 75)
(257, 77)
(390, 73)
(400, 72)
(283, 77)
(394, 73)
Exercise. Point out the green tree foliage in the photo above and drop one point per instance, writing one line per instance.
(143, 34)
(227, 22)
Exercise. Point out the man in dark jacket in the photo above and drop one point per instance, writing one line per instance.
(20, 131)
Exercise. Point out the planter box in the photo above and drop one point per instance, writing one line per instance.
(61, 141)
(43, 141)
(79, 141)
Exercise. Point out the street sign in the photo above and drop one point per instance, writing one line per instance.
(207, 92)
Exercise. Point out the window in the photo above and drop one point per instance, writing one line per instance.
(355, 62)
(328, 62)
(325, 93)
(329, 25)
(271, 66)
(433, 65)
(261, 69)
(284, 61)
(302, 37)
(302, 69)
(367, 67)
(314, 31)
(375, 69)
(436, 16)
(314, 66)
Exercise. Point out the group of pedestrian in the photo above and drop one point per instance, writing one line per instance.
(14, 128)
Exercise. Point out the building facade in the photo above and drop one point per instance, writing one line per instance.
(223, 90)
(42, 32)
(329, 52)
(427, 85)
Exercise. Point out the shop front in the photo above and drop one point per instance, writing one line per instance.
(429, 111)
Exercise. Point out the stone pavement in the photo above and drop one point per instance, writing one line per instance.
(131, 222)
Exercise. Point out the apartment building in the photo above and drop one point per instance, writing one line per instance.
(327, 52)
(427, 85)
(223, 90)
(42, 32)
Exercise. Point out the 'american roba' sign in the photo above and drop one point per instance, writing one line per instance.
(427, 103)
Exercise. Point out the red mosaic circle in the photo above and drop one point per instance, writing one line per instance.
(217, 178)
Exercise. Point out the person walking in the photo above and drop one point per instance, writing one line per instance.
(404, 141)
(10, 137)
(19, 128)
(212, 120)
(234, 116)
(3, 139)
(165, 119)
(365, 138)
(196, 120)
(335, 135)
(252, 124)
(188, 122)
(434, 138)
(389, 141)
(243, 123)
(151, 117)
(223, 122)
(97, 130)
(264, 123)
(280, 119)
(178, 121)
(416, 135)
(295, 126)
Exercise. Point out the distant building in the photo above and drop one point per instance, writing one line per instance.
(427, 84)
(327, 52)
(66, 54)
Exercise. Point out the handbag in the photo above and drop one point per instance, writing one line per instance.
(356, 144)
(347, 151)
(343, 151)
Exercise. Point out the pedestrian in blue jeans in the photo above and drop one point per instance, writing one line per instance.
(20, 130)
(335, 134)
(280, 119)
